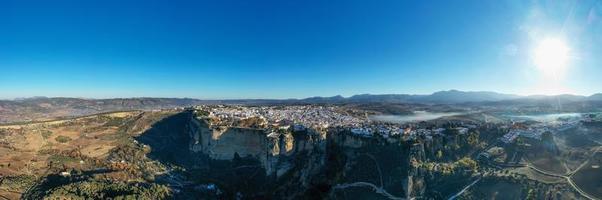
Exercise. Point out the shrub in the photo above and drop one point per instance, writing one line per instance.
(62, 139)
(18, 183)
(46, 134)
(98, 189)
(467, 163)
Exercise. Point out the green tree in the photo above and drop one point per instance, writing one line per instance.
(531, 195)
(467, 163)
(473, 138)
(439, 154)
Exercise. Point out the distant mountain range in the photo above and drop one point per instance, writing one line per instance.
(37, 108)
(595, 97)
(441, 97)
(449, 97)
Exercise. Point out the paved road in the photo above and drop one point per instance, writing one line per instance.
(569, 174)
(378, 190)
(545, 172)
(465, 189)
(568, 179)
(566, 176)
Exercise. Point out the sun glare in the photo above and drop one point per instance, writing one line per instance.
(551, 56)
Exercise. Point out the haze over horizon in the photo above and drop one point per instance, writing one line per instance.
(279, 50)
(305, 97)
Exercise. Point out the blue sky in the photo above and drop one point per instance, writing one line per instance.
(290, 49)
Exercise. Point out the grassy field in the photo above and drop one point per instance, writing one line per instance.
(533, 175)
(493, 189)
(40, 148)
(547, 162)
(589, 178)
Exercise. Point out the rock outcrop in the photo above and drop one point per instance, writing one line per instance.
(271, 147)
(281, 163)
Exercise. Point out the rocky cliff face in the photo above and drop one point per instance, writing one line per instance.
(270, 148)
(284, 164)
(382, 162)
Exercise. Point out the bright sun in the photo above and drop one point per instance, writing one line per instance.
(551, 56)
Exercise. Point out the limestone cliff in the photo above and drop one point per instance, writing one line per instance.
(271, 147)
(284, 164)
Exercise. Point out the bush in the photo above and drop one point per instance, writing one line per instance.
(61, 159)
(94, 189)
(17, 183)
(467, 163)
(46, 134)
(62, 139)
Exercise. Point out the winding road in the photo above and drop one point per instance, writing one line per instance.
(569, 174)
(568, 179)
(378, 190)
(465, 189)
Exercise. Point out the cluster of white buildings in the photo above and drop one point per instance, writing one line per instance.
(534, 131)
(312, 116)
(406, 133)
(297, 116)
(511, 136)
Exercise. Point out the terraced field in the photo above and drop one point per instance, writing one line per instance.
(31, 151)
